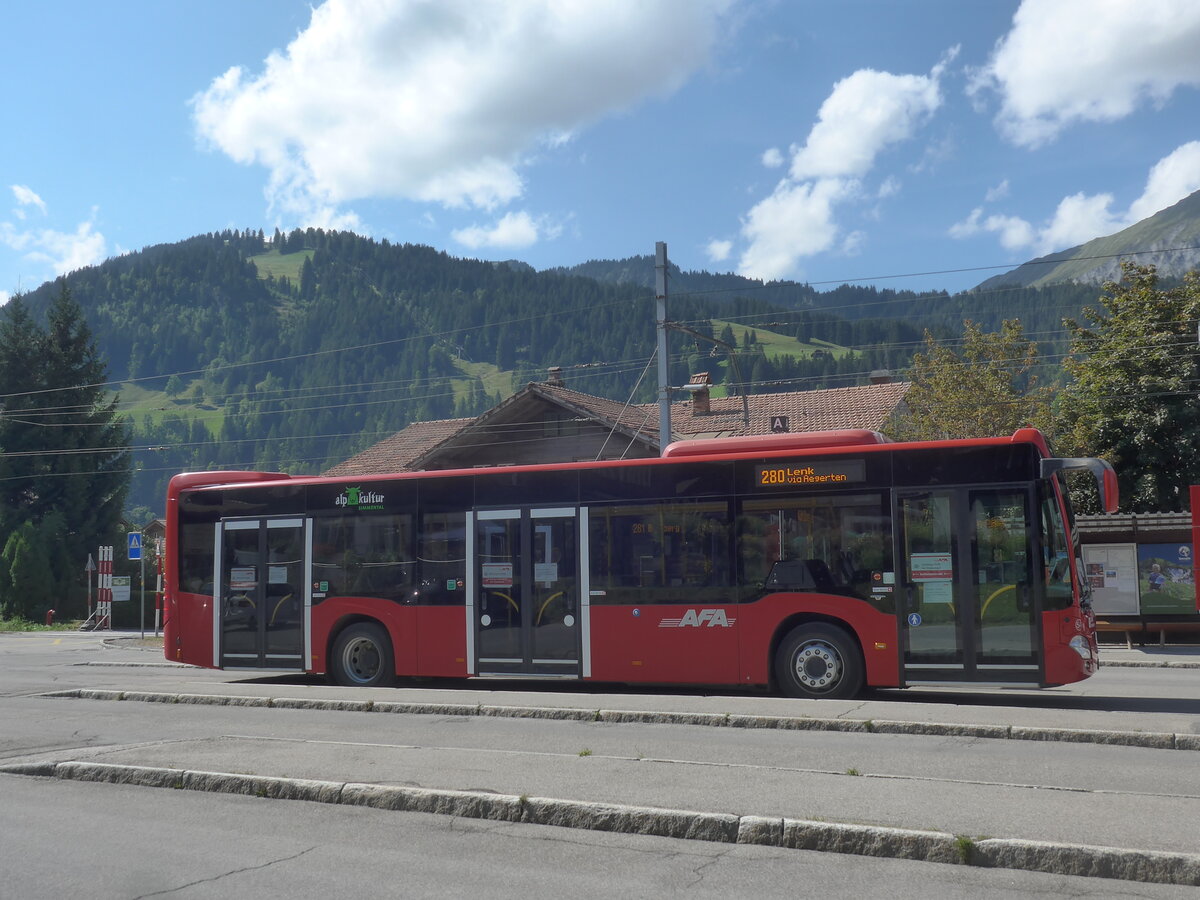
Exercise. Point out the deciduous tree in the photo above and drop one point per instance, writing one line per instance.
(985, 387)
(1133, 395)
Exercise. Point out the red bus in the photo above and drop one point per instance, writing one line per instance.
(814, 563)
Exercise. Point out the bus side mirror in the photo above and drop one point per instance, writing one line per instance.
(1106, 477)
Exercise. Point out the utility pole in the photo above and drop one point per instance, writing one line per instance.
(664, 391)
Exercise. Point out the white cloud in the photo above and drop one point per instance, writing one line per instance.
(772, 158)
(968, 227)
(514, 229)
(1078, 219)
(1081, 217)
(795, 221)
(719, 250)
(59, 250)
(26, 197)
(863, 115)
(999, 192)
(68, 251)
(1121, 54)
(1173, 177)
(5, 296)
(1015, 233)
(889, 187)
(442, 102)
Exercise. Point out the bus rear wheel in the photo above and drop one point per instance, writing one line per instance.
(362, 657)
(819, 661)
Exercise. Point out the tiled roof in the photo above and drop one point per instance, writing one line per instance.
(635, 418)
(867, 406)
(393, 454)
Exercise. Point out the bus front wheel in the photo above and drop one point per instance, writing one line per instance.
(819, 661)
(362, 657)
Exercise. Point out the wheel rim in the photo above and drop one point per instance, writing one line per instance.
(361, 660)
(818, 666)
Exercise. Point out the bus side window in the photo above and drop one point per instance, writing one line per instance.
(831, 544)
(661, 552)
(442, 558)
(196, 558)
(1056, 553)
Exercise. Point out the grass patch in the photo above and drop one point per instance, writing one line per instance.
(965, 847)
(281, 265)
(775, 344)
(495, 381)
(19, 624)
(138, 403)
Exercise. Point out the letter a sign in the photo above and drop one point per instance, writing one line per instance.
(135, 545)
(779, 425)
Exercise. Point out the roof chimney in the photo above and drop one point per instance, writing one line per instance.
(698, 388)
(554, 374)
(881, 376)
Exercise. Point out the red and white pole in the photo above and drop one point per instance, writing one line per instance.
(105, 593)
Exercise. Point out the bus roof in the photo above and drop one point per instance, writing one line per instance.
(754, 446)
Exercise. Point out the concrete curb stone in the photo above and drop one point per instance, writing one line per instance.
(262, 786)
(1154, 740)
(465, 804)
(1144, 739)
(865, 840)
(861, 840)
(1094, 862)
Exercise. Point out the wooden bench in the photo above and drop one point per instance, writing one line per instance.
(1143, 625)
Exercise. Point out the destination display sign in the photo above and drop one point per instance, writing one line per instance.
(815, 474)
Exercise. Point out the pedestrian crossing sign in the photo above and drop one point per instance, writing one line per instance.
(135, 545)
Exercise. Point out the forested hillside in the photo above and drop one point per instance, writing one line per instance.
(1040, 309)
(292, 352)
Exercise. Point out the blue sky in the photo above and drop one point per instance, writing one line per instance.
(805, 139)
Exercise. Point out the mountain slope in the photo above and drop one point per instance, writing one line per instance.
(1169, 239)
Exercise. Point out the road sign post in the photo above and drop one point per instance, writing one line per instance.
(134, 543)
(142, 610)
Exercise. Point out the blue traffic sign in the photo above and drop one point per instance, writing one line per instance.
(135, 545)
(914, 619)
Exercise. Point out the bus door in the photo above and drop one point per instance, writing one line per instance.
(263, 577)
(968, 607)
(524, 614)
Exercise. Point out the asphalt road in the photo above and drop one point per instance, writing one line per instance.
(1089, 793)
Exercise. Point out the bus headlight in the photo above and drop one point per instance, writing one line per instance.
(1080, 645)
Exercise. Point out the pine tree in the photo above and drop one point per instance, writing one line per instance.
(66, 460)
(25, 578)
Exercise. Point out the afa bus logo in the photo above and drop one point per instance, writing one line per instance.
(357, 498)
(709, 618)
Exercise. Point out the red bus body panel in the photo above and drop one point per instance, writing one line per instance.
(648, 643)
(656, 643)
(190, 614)
(1063, 664)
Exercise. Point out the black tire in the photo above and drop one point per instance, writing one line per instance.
(362, 657)
(819, 661)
